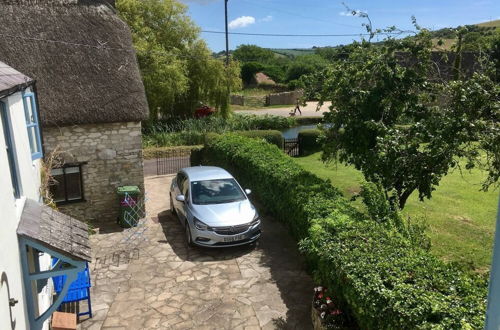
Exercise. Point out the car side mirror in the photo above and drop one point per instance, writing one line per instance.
(248, 191)
(180, 198)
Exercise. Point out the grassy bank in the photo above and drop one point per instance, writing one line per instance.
(461, 218)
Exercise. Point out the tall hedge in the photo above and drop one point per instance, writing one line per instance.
(272, 136)
(308, 141)
(386, 281)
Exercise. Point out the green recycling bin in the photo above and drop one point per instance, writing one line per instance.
(130, 208)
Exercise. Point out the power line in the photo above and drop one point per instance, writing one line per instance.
(304, 35)
(298, 15)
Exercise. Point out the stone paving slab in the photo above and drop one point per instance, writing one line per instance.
(155, 281)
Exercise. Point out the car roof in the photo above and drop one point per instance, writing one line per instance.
(199, 173)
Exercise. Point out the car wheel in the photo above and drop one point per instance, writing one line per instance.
(187, 230)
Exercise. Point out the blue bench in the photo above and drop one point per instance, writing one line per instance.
(78, 290)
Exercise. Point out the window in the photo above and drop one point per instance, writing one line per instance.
(67, 186)
(31, 114)
(10, 148)
(216, 192)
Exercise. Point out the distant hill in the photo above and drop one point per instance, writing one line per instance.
(446, 35)
(292, 52)
(495, 23)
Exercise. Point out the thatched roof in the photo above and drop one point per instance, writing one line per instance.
(80, 53)
(263, 79)
(12, 81)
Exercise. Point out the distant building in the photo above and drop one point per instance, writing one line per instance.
(91, 97)
(31, 233)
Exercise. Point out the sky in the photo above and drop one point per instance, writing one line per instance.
(327, 17)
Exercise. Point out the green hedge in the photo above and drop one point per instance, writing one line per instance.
(308, 120)
(271, 136)
(308, 141)
(386, 281)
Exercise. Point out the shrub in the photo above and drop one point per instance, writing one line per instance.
(192, 131)
(308, 141)
(165, 139)
(271, 136)
(153, 152)
(308, 120)
(385, 279)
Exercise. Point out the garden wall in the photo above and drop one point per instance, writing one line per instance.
(284, 98)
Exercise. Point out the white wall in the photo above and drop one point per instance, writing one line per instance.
(10, 212)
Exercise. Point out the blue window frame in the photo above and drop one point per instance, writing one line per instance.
(31, 114)
(10, 148)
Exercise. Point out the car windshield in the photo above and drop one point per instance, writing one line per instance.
(216, 191)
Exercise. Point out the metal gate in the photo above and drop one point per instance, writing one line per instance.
(291, 147)
(171, 161)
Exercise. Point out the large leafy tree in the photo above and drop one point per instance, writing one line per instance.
(403, 125)
(177, 68)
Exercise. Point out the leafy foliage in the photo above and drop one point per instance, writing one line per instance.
(380, 87)
(308, 141)
(379, 272)
(177, 68)
(193, 131)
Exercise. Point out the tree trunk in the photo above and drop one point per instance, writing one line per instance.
(403, 197)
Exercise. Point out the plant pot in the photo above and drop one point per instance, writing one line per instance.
(316, 319)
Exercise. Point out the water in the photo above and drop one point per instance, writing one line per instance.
(293, 133)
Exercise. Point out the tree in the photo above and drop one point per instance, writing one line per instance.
(177, 68)
(253, 53)
(382, 86)
(304, 65)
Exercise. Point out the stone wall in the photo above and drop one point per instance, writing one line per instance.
(113, 156)
(237, 99)
(284, 98)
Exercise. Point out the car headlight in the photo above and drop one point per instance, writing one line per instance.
(200, 225)
(255, 221)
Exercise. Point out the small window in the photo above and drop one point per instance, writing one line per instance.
(67, 186)
(31, 115)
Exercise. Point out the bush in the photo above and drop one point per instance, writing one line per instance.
(153, 152)
(165, 139)
(271, 136)
(308, 141)
(308, 120)
(192, 131)
(385, 279)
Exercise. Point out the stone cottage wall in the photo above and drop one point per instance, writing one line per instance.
(113, 156)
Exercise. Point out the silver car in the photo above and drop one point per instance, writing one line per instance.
(214, 210)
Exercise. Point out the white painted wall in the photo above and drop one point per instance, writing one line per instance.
(10, 213)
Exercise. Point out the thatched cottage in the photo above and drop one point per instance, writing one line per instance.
(91, 97)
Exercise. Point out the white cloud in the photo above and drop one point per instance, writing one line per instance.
(268, 18)
(241, 22)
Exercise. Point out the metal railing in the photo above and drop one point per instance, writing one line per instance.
(171, 161)
(291, 147)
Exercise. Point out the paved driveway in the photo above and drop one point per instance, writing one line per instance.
(309, 110)
(147, 277)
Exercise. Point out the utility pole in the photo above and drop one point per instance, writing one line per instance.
(227, 35)
(492, 314)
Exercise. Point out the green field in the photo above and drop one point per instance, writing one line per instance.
(461, 218)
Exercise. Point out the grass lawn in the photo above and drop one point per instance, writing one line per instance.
(461, 218)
